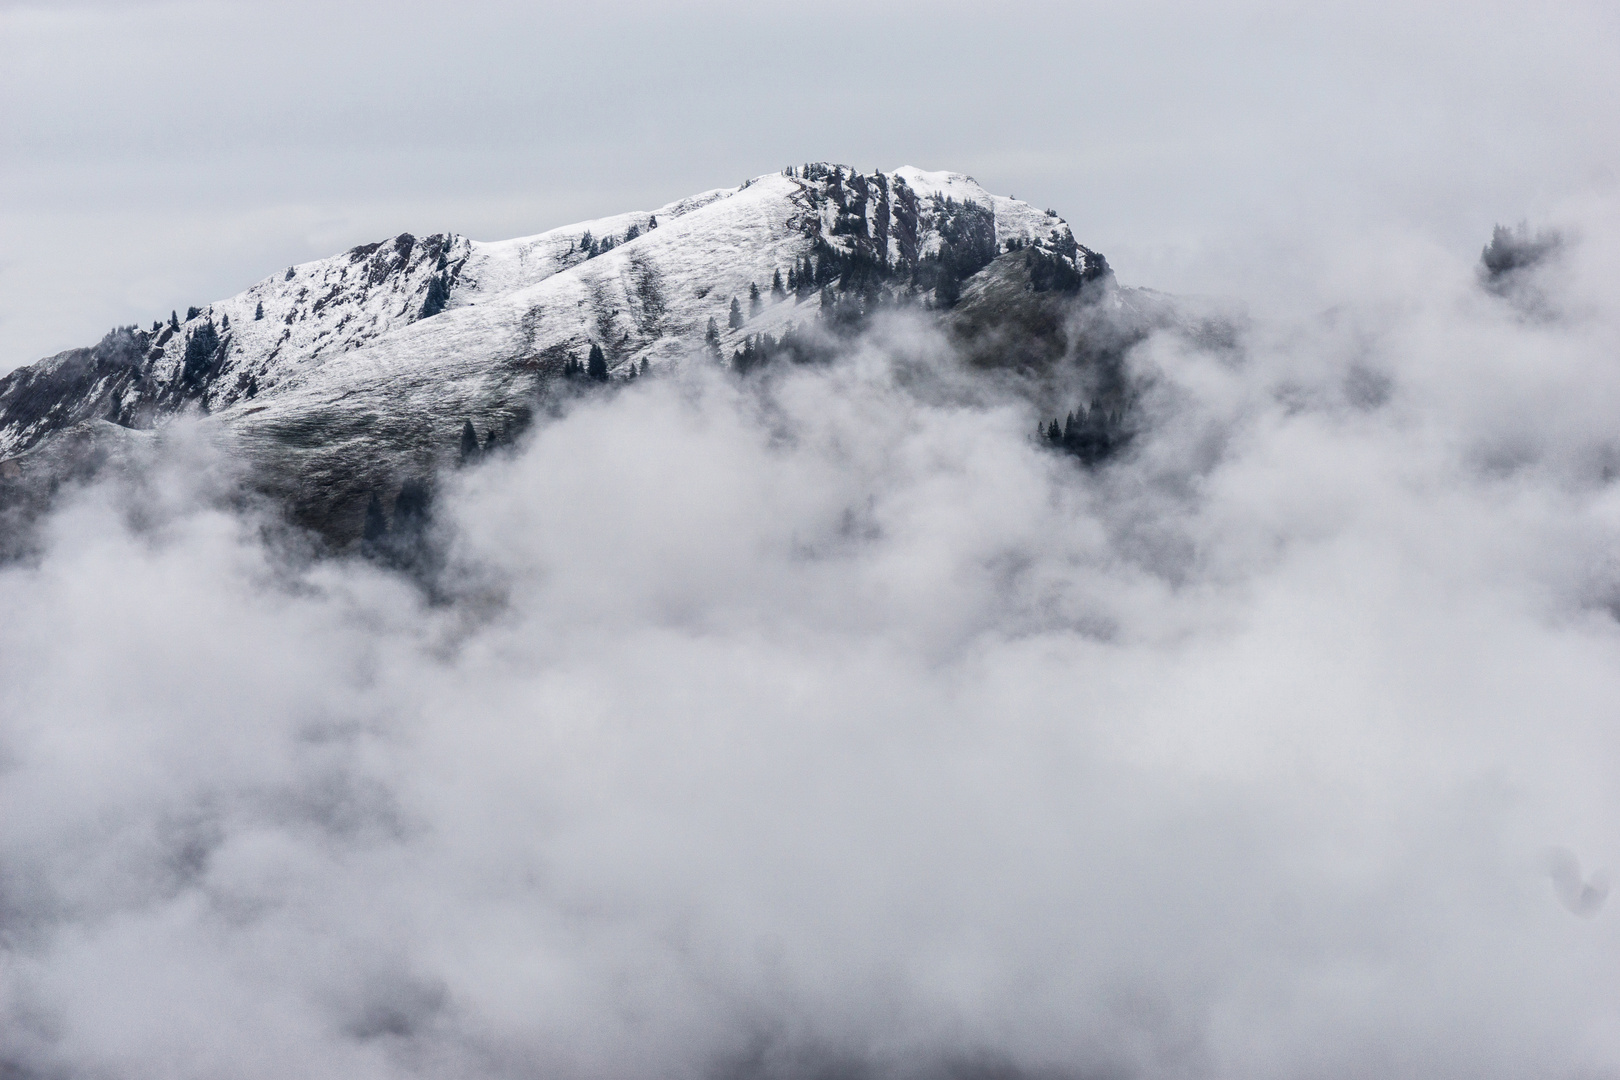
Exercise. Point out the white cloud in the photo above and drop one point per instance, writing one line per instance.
(833, 725)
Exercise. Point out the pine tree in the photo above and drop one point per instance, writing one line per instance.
(258, 312)
(645, 366)
(754, 305)
(777, 292)
(736, 313)
(224, 322)
(711, 336)
(596, 364)
(174, 320)
(469, 443)
(408, 544)
(376, 526)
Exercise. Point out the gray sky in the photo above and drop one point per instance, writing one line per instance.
(781, 727)
(159, 154)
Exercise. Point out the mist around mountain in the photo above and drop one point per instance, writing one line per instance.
(848, 711)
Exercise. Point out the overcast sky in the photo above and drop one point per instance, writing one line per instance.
(160, 154)
(824, 723)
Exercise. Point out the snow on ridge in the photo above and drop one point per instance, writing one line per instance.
(497, 267)
(644, 297)
(648, 297)
(443, 322)
(703, 252)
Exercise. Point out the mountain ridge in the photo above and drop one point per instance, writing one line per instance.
(340, 376)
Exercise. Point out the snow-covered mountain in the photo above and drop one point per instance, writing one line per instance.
(343, 375)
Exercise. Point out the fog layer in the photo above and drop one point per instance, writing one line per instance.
(826, 724)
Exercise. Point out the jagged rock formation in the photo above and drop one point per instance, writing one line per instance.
(346, 377)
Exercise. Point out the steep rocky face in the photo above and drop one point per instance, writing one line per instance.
(346, 377)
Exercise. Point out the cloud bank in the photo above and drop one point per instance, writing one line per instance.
(826, 725)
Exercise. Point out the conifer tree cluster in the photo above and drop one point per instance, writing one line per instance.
(1512, 250)
(471, 450)
(795, 346)
(404, 539)
(801, 279)
(592, 246)
(203, 356)
(376, 523)
(1091, 434)
(817, 170)
(594, 367)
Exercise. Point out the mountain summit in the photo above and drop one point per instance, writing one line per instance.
(343, 377)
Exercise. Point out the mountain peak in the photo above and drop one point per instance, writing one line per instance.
(394, 345)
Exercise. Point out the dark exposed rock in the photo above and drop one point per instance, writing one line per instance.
(438, 294)
(72, 387)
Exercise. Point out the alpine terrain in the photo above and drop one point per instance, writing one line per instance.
(348, 381)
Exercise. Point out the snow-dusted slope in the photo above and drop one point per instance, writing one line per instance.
(395, 345)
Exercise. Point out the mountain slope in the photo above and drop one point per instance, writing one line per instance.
(342, 376)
